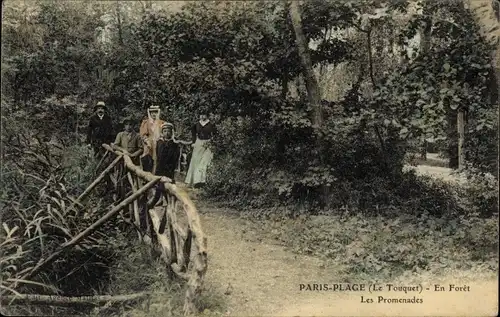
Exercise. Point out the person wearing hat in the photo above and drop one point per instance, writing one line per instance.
(168, 153)
(150, 132)
(100, 129)
(129, 141)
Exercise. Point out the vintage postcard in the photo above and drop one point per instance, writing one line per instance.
(250, 158)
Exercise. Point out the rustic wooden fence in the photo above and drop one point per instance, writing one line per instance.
(170, 225)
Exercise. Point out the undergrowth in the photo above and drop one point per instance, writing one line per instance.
(404, 193)
(384, 248)
(40, 212)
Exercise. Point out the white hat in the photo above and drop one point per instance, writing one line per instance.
(167, 124)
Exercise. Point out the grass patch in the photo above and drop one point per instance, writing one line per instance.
(138, 270)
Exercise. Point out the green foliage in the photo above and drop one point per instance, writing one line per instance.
(225, 58)
(63, 59)
(363, 145)
(481, 192)
(217, 58)
(293, 172)
(452, 74)
(237, 61)
(482, 142)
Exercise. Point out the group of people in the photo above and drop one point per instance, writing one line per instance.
(155, 148)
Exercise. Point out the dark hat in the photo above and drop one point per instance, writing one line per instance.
(100, 104)
(203, 109)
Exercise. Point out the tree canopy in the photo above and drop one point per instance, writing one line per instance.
(405, 68)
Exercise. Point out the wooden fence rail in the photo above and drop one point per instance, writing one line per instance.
(170, 225)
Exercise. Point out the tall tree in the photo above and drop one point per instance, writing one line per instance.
(313, 91)
(312, 87)
(487, 13)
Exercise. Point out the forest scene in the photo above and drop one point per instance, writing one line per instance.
(356, 141)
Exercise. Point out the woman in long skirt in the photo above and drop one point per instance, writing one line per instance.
(201, 158)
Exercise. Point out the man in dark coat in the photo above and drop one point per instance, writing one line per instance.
(100, 129)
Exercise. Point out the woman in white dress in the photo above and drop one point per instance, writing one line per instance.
(202, 133)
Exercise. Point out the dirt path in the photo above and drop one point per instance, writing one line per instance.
(262, 279)
(443, 173)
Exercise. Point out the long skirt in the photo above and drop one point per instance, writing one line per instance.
(200, 160)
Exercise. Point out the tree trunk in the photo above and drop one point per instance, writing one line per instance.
(496, 57)
(53, 300)
(425, 44)
(461, 138)
(425, 38)
(312, 87)
(370, 55)
(496, 71)
(119, 23)
(301, 91)
(372, 79)
(452, 145)
(286, 77)
(284, 86)
(313, 92)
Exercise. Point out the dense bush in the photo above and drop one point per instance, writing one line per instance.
(38, 216)
(481, 193)
(346, 156)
